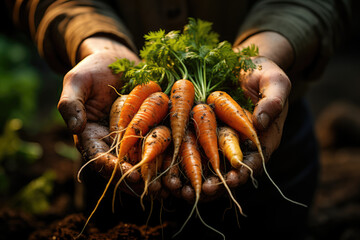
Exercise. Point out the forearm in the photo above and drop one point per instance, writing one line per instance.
(59, 27)
(273, 46)
(312, 28)
(100, 43)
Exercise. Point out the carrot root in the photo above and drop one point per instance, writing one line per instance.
(195, 208)
(231, 113)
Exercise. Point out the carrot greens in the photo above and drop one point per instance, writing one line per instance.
(195, 54)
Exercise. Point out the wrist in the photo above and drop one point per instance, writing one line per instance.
(96, 44)
(273, 46)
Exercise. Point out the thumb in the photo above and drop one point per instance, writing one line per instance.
(274, 94)
(72, 109)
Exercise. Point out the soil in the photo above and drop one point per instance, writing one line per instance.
(334, 215)
(64, 218)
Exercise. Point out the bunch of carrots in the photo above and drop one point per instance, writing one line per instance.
(184, 98)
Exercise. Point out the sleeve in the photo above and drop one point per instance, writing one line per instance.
(58, 27)
(301, 21)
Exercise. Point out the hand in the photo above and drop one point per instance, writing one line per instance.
(87, 95)
(86, 100)
(269, 87)
(93, 144)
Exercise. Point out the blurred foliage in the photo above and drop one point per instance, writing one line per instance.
(14, 152)
(29, 108)
(34, 196)
(19, 82)
(69, 152)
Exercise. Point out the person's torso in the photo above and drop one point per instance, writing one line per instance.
(142, 16)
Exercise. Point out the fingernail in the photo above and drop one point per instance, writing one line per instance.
(72, 123)
(264, 120)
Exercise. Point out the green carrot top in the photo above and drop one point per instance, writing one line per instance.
(195, 54)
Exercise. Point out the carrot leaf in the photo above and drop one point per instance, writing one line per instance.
(195, 54)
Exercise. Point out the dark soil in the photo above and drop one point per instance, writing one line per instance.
(334, 215)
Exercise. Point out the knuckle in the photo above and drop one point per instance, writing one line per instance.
(70, 75)
(277, 103)
(62, 104)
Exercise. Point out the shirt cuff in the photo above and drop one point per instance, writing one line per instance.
(300, 24)
(64, 27)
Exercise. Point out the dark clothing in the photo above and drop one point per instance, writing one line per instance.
(59, 27)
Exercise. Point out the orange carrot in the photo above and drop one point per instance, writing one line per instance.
(230, 146)
(115, 111)
(206, 126)
(114, 119)
(191, 162)
(133, 102)
(151, 112)
(181, 101)
(248, 115)
(134, 154)
(231, 113)
(155, 143)
(148, 171)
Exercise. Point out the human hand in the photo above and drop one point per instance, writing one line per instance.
(86, 100)
(93, 144)
(86, 94)
(265, 80)
(268, 86)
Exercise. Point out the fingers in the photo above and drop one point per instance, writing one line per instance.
(212, 189)
(86, 94)
(274, 93)
(171, 179)
(93, 144)
(269, 87)
(71, 104)
(271, 138)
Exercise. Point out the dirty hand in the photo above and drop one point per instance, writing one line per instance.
(268, 86)
(86, 94)
(87, 97)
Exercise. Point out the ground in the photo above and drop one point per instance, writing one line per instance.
(335, 214)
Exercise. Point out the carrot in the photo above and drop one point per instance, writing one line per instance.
(115, 111)
(248, 115)
(134, 154)
(231, 113)
(133, 102)
(206, 126)
(148, 171)
(151, 112)
(191, 163)
(181, 101)
(155, 143)
(230, 146)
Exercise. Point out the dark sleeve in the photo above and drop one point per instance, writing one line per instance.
(301, 22)
(58, 27)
